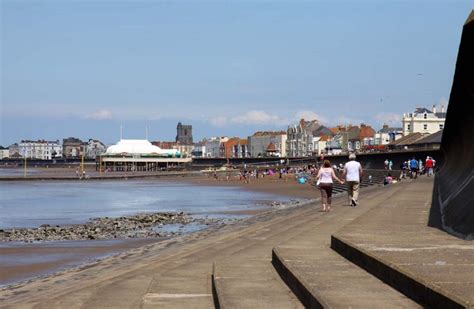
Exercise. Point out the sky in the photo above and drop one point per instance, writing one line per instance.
(84, 68)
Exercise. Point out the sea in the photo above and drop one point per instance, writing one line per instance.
(33, 203)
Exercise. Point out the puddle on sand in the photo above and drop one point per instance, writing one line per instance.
(180, 228)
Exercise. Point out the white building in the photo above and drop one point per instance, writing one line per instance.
(139, 155)
(199, 150)
(214, 148)
(258, 143)
(40, 149)
(387, 135)
(320, 144)
(14, 151)
(94, 148)
(299, 141)
(424, 121)
(4, 152)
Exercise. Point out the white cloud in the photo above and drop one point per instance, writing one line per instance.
(256, 117)
(345, 120)
(102, 114)
(253, 117)
(219, 121)
(388, 118)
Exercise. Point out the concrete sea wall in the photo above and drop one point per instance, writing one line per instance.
(453, 196)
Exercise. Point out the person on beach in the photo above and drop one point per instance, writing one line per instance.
(353, 174)
(325, 177)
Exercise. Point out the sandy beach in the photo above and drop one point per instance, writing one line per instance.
(63, 255)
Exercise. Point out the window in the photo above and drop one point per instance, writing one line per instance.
(408, 127)
(425, 126)
(441, 126)
(425, 116)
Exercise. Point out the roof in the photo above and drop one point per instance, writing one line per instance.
(422, 110)
(387, 129)
(71, 140)
(322, 130)
(137, 146)
(325, 138)
(340, 128)
(271, 147)
(40, 141)
(310, 125)
(269, 133)
(407, 139)
(440, 115)
(15, 155)
(434, 138)
(353, 133)
(366, 131)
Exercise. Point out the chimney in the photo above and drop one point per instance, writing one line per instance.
(385, 126)
(442, 108)
(434, 109)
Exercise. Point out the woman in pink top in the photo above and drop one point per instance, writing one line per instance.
(325, 176)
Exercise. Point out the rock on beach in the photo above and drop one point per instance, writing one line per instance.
(136, 226)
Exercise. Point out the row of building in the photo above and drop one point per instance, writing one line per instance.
(310, 138)
(75, 148)
(306, 138)
(69, 148)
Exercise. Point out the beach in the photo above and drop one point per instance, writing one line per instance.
(26, 261)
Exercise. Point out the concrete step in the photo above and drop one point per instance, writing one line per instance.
(428, 265)
(323, 279)
(251, 284)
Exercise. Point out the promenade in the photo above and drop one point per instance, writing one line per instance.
(282, 259)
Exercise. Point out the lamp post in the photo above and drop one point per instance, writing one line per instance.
(24, 168)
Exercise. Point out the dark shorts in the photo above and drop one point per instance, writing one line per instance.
(327, 188)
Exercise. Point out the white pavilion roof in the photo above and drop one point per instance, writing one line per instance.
(134, 146)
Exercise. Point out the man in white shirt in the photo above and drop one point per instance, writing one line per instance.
(353, 174)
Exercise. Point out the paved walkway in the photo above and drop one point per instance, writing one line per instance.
(421, 258)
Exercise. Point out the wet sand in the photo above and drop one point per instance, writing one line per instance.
(63, 255)
(20, 261)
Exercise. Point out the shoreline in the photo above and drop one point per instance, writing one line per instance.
(92, 251)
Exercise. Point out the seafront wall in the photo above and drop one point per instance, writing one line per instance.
(453, 195)
(368, 160)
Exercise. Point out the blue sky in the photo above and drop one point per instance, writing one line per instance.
(83, 68)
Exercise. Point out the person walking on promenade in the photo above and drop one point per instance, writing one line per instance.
(353, 174)
(413, 168)
(429, 166)
(325, 177)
